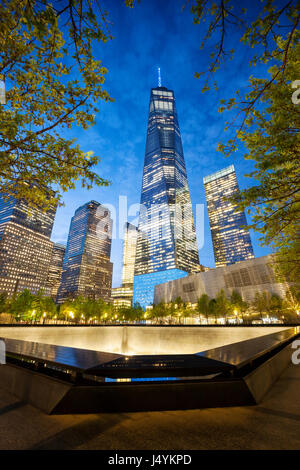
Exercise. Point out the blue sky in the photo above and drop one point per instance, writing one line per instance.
(156, 33)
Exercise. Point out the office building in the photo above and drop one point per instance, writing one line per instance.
(122, 296)
(55, 270)
(87, 269)
(166, 243)
(247, 278)
(231, 241)
(25, 246)
(129, 249)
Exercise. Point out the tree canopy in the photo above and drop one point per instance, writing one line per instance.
(53, 82)
(265, 115)
(271, 137)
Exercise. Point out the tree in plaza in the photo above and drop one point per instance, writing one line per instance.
(160, 312)
(83, 309)
(261, 303)
(103, 308)
(171, 311)
(125, 314)
(22, 305)
(203, 306)
(67, 310)
(4, 302)
(291, 303)
(212, 309)
(53, 82)
(86, 309)
(276, 305)
(258, 304)
(238, 304)
(138, 312)
(187, 312)
(222, 307)
(43, 306)
(50, 307)
(178, 302)
(182, 312)
(179, 308)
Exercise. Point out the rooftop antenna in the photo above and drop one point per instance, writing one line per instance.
(159, 77)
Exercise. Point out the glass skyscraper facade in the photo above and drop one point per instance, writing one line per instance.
(122, 296)
(87, 269)
(55, 270)
(231, 242)
(129, 249)
(166, 243)
(25, 246)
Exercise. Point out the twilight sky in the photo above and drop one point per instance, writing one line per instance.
(156, 33)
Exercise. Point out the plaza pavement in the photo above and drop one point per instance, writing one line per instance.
(273, 424)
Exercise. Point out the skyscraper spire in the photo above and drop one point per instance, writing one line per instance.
(159, 77)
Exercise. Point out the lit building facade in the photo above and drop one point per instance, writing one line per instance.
(25, 247)
(247, 278)
(87, 269)
(55, 270)
(166, 243)
(231, 242)
(129, 249)
(122, 296)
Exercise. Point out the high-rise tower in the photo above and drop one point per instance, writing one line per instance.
(122, 296)
(25, 246)
(166, 243)
(231, 241)
(130, 238)
(87, 269)
(55, 270)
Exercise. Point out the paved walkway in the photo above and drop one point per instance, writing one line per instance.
(274, 424)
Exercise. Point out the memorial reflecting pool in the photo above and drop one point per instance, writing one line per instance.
(138, 339)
